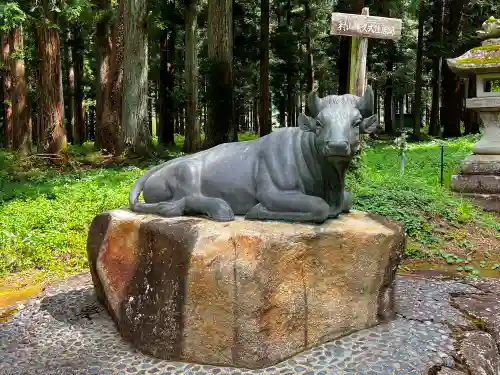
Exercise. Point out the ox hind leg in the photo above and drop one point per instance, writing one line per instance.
(185, 198)
(289, 206)
(194, 205)
(215, 208)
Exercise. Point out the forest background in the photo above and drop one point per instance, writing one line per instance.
(94, 92)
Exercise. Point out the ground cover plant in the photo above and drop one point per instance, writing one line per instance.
(45, 211)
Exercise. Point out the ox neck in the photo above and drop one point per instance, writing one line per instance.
(329, 172)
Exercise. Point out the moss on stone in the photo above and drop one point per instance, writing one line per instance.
(491, 20)
(492, 47)
(479, 60)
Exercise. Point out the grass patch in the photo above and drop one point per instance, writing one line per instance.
(45, 212)
(435, 218)
(380, 187)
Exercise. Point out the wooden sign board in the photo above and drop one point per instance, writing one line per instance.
(366, 26)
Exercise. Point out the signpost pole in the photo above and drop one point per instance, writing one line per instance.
(359, 75)
(353, 58)
(361, 27)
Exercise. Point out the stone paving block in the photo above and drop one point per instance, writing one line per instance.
(70, 333)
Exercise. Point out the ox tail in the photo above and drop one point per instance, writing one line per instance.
(137, 189)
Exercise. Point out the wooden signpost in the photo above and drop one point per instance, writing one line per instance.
(360, 28)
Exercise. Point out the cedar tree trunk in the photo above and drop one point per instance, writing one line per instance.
(452, 103)
(52, 138)
(221, 122)
(166, 126)
(417, 108)
(135, 77)
(264, 120)
(103, 57)
(79, 132)
(192, 142)
(20, 111)
(110, 132)
(7, 85)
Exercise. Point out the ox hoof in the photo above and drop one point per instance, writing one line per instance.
(223, 218)
(222, 214)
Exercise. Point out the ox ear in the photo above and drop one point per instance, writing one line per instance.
(369, 125)
(367, 103)
(306, 123)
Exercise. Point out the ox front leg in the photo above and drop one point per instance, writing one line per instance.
(342, 205)
(348, 202)
(289, 206)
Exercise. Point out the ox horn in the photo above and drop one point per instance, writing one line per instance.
(366, 103)
(314, 103)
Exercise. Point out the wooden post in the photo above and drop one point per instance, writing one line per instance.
(360, 28)
(352, 64)
(362, 52)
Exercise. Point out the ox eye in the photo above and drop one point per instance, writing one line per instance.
(356, 123)
(319, 124)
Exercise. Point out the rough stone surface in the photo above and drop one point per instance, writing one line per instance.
(485, 184)
(449, 371)
(489, 202)
(480, 354)
(422, 301)
(243, 293)
(65, 331)
(481, 164)
(486, 285)
(484, 309)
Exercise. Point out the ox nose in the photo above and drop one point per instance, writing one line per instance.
(338, 148)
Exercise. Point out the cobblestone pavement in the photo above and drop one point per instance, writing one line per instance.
(66, 331)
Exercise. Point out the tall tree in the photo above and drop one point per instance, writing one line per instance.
(309, 55)
(167, 79)
(20, 111)
(452, 100)
(103, 56)
(69, 97)
(291, 73)
(264, 121)
(79, 133)
(110, 131)
(52, 137)
(436, 46)
(417, 107)
(221, 123)
(7, 85)
(192, 141)
(135, 76)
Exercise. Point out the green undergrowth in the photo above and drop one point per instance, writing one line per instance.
(45, 212)
(416, 197)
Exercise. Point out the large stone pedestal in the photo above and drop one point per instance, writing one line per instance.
(242, 293)
(479, 179)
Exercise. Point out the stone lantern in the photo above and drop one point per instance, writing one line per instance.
(479, 176)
